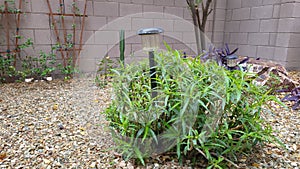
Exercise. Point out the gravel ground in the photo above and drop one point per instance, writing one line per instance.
(58, 125)
(52, 125)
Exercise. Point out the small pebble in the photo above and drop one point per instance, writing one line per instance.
(294, 164)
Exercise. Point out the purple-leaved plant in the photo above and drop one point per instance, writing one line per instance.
(293, 96)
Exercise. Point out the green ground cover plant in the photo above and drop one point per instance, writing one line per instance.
(36, 66)
(201, 110)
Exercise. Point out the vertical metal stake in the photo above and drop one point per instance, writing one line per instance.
(152, 73)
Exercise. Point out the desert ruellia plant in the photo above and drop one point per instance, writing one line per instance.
(201, 110)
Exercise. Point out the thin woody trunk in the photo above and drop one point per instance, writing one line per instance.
(194, 11)
(199, 25)
(205, 13)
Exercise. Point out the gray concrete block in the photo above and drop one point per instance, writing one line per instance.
(183, 25)
(295, 41)
(189, 37)
(270, 25)
(209, 25)
(241, 14)
(226, 37)
(280, 54)
(138, 23)
(228, 16)
(128, 9)
(286, 25)
(106, 37)
(136, 47)
(273, 38)
(119, 23)
(152, 8)
(173, 35)
(119, 1)
(262, 12)
(181, 3)
(170, 40)
(238, 38)
(219, 26)
(283, 39)
(247, 50)
(233, 4)
(220, 15)
(269, 2)
(92, 51)
(42, 7)
(232, 26)
(221, 4)
(88, 65)
(296, 10)
(106, 9)
(167, 25)
(115, 51)
(287, 10)
(249, 26)
(209, 35)
(218, 37)
(44, 37)
(88, 37)
(164, 2)
(32, 20)
(296, 26)
(95, 23)
(258, 39)
(177, 11)
(276, 11)
(187, 14)
(153, 15)
(142, 1)
(251, 3)
(133, 39)
(265, 52)
(293, 55)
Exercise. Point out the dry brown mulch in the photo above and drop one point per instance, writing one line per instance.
(58, 125)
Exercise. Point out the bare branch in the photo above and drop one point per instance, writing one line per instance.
(209, 12)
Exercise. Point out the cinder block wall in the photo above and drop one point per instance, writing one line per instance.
(268, 29)
(131, 15)
(260, 28)
(107, 17)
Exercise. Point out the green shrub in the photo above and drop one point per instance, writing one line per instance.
(199, 108)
